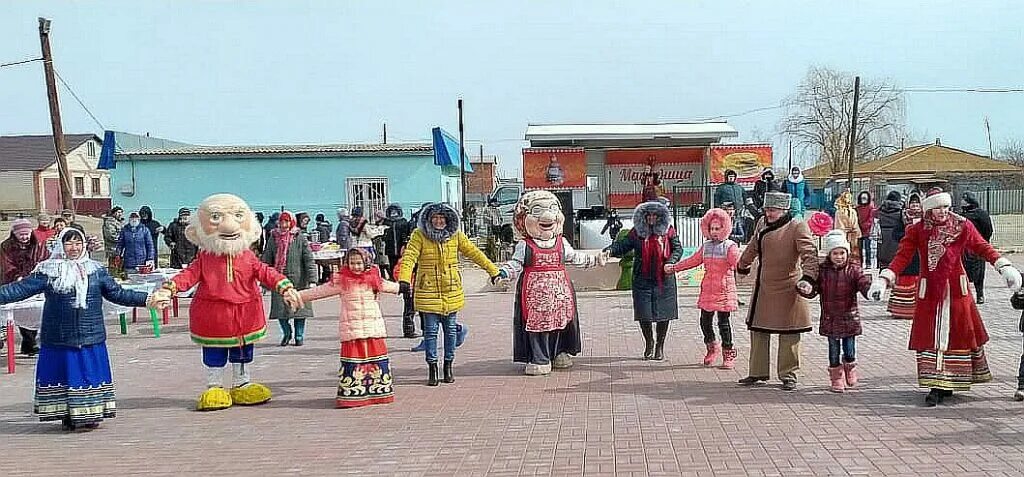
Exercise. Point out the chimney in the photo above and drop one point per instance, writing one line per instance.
(938, 141)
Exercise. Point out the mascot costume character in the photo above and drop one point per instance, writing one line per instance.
(226, 315)
(546, 329)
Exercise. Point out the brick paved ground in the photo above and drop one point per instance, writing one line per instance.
(611, 414)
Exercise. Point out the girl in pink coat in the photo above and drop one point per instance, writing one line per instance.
(719, 255)
(364, 376)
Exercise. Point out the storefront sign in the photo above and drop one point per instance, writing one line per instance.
(636, 175)
(748, 160)
(554, 168)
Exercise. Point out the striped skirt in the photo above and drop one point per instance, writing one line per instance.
(75, 384)
(960, 369)
(364, 377)
(903, 297)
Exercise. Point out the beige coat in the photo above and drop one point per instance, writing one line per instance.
(786, 253)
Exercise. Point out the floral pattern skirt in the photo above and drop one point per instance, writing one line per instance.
(364, 377)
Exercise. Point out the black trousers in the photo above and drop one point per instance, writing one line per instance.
(975, 268)
(724, 327)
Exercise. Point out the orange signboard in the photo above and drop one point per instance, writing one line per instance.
(748, 160)
(554, 168)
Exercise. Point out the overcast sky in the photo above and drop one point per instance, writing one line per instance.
(221, 72)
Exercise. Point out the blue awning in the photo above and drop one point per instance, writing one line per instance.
(107, 153)
(446, 150)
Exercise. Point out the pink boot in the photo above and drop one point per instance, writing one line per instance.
(728, 358)
(836, 376)
(713, 350)
(851, 373)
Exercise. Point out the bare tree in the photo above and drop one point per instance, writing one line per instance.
(819, 115)
(1011, 151)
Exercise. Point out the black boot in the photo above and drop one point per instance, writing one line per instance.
(29, 346)
(659, 346)
(432, 374)
(934, 398)
(449, 373)
(645, 329)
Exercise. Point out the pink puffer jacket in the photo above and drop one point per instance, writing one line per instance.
(718, 288)
(360, 316)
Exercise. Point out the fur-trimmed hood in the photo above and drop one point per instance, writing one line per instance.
(640, 225)
(432, 234)
(394, 211)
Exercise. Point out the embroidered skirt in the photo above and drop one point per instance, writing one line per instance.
(903, 297)
(364, 377)
(960, 369)
(74, 383)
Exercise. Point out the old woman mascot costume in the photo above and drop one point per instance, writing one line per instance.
(226, 315)
(546, 329)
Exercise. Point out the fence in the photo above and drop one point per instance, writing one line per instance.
(689, 203)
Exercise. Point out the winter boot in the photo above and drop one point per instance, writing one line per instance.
(851, 374)
(645, 329)
(29, 344)
(934, 398)
(449, 372)
(712, 355)
(1019, 395)
(432, 374)
(728, 358)
(835, 375)
(659, 345)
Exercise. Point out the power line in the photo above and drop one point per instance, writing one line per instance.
(962, 90)
(14, 63)
(80, 103)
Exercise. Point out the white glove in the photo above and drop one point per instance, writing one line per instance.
(804, 287)
(1012, 277)
(878, 288)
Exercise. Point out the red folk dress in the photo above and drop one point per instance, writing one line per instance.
(947, 332)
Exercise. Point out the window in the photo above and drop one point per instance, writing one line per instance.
(507, 195)
(91, 146)
(79, 186)
(369, 193)
(96, 186)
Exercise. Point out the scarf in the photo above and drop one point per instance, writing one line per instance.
(655, 251)
(940, 235)
(283, 240)
(67, 275)
(347, 278)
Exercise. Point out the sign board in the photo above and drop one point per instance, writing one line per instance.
(631, 172)
(748, 160)
(560, 168)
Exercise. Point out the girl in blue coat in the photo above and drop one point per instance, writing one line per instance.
(73, 381)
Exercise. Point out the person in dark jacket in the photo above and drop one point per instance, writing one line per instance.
(323, 229)
(146, 218)
(974, 265)
(613, 225)
(343, 234)
(135, 245)
(73, 379)
(729, 191)
(763, 186)
(396, 235)
(302, 220)
(890, 222)
(866, 220)
(183, 251)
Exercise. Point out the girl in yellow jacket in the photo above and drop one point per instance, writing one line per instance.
(433, 251)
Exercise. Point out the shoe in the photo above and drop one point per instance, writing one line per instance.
(449, 373)
(835, 376)
(562, 361)
(461, 331)
(214, 399)
(851, 374)
(789, 385)
(420, 347)
(67, 424)
(981, 300)
(728, 358)
(659, 344)
(285, 340)
(432, 374)
(411, 334)
(1019, 395)
(934, 398)
(712, 354)
(752, 380)
(251, 394)
(298, 341)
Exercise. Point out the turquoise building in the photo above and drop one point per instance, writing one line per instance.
(300, 178)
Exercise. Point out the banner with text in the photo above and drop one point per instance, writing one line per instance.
(748, 160)
(636, 174)
(554, 168)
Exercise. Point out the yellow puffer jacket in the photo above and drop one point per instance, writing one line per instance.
(438, 285)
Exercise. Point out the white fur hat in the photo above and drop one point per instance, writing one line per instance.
(836, 239)
(936, 198)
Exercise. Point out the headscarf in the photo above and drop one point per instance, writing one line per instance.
(346, 278)
(69, 275)
(283, 240)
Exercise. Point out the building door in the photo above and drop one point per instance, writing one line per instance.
(51, 195)
(569, 229)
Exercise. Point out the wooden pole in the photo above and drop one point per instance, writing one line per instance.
(66, 197)
(462, 159)
(385, 133)
(988, 132)
(853, 133)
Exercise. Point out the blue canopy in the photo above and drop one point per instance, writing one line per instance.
(107, 153)
(446, 150)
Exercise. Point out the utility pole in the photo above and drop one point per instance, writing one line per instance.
(853, 133)
(66, 197)
(790, 157)
(988, 132)
(385, 133)
(462, 160)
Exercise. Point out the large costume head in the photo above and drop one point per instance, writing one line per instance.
(722, 221)
(226, 225)
(538, 215)
(845, 200)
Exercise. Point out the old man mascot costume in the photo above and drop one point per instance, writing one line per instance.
(226, 315)
(546, 328)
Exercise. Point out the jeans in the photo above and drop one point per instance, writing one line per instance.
(848, 346)
(865, 251)
(447, 323)
(724, 327)
(300, 328)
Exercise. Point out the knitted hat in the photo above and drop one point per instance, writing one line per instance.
(184, 211)
(936, 198)
(286, 216)
(777, 200)
(21, 225)
(836, 239)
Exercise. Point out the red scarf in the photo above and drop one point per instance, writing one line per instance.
(283, 241)
(655, 251)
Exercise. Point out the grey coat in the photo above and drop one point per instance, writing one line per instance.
(300, 269)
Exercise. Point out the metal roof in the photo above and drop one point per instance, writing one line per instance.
(288, 149)
(566, 132)
(35, 153)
